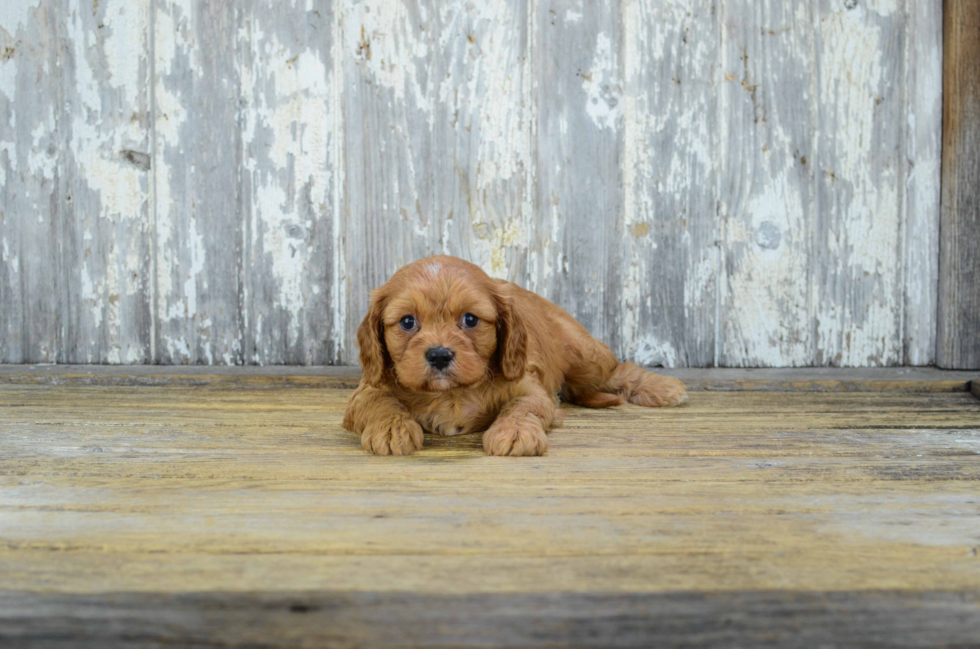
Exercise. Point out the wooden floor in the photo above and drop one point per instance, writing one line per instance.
(240, 513)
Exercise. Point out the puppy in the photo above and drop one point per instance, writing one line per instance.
(446, 349)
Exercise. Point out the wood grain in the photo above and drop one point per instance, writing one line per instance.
(767, 214)
(958, 342)
(717, 380)
(135, 516)
(810, 491)
(291, 285)
(923, 156)
(579, 139)
(884, 619)
(143, 515)
(197, 159)
(32, 185)
(858, 224)
(106, 148)
(669, 241)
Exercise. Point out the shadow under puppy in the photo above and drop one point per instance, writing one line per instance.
(447, 349)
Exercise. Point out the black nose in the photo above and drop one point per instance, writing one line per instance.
(439, 357)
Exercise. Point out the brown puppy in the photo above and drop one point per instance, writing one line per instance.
(447, 349)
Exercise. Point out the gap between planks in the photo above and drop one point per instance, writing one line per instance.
(897, 379)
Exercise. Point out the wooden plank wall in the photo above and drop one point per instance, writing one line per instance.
(959, 281)
(747, 183)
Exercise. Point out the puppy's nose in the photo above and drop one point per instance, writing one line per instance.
(439, 357)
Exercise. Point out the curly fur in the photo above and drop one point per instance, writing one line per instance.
(506, 373)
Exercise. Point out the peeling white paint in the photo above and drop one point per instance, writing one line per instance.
(15, 13)
(92, 295)
(764, 299)
(339, 290)
(40, 160)
(667, 141)
(124, 28)
(134, 356)
(495, 83)
(118, 183)
(8, 82)
(883, 8)
(177, 348)
(459, 98)
(924, 79)
(492, 243)
(294, 124)
(198, 254)
(637, 166)
(653, 353)
(763, 321)
(172, 41)
(173, 35)
(170, 37)
(495, 78)
(107, 44)
(603, 86)
(382, 36)
(851, 87)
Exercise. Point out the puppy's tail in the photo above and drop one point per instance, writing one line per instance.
(596, 399)
(645, 388)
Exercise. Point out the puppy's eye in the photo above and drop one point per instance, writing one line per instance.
(407, 323)
(470, 321)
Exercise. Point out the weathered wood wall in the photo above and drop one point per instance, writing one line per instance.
(741, 183)
(958, 343)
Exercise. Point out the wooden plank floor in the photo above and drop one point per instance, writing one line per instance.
(145, 516)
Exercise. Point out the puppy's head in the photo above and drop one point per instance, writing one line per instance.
(441, 323)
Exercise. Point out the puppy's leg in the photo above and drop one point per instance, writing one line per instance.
(598, 380)
(385, 425)
(591, 366)
(520, 427)
(645, 388)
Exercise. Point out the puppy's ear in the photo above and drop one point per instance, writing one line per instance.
(371, 341)
(511, 337)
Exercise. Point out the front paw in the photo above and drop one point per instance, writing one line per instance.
(515, 437)
(392, 436)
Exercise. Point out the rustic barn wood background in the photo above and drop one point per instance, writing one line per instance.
(727, 182)
(958, 334)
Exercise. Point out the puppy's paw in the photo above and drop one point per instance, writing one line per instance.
(392, 436)
(658, 391)
(515, 437)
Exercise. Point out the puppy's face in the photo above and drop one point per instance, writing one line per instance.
(441, 324)
(440, 332)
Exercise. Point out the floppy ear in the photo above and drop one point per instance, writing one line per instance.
(511, 339)
(371, 341)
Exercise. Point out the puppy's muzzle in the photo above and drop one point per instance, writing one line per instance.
(439, 357)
